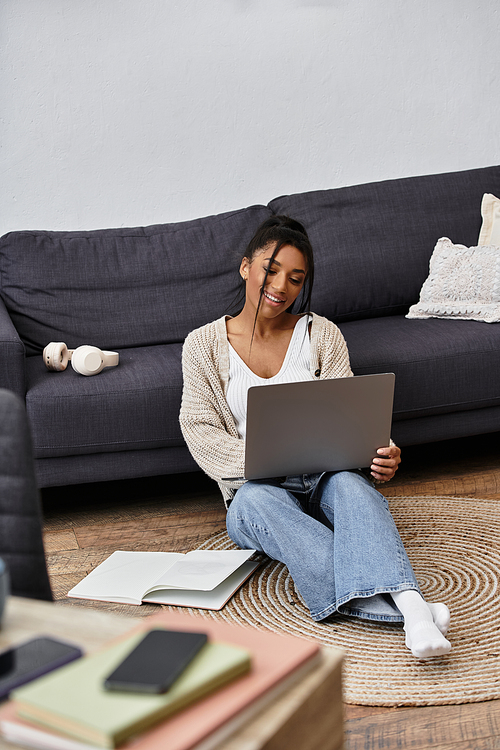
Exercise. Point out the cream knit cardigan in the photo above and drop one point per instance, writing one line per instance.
(206, 421)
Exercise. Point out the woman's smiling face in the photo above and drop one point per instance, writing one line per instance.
(285, 279)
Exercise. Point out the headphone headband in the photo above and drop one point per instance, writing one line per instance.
(111, 359)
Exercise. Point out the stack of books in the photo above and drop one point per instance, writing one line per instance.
(237, 673)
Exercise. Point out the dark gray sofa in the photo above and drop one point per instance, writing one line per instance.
(140, 291)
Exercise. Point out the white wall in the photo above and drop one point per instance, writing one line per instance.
(124, 113)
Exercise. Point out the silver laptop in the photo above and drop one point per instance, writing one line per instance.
(314, 426)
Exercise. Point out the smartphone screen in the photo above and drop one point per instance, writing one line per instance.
(156, 662)
(31, 659)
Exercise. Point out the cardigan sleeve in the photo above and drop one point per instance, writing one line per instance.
(329, 353)
(205, 419)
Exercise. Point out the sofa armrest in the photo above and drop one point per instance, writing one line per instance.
(12, 355)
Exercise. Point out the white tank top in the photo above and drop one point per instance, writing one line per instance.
(295, 367)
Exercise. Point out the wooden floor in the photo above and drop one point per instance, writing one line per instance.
(85, 523)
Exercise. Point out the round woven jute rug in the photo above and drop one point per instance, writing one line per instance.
(454, 546)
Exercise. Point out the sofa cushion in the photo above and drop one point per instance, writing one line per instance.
(490, 228)
(463, 282)
(441, 366)
(132, 406)
(120, 288)
(373, 242)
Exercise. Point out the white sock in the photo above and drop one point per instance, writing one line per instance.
(425, 624)
(441, 616)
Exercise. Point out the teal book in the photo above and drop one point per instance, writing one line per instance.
(73, 699)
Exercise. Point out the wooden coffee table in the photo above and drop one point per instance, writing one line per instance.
(306, 717)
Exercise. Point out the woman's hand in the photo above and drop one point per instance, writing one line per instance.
(386, 463)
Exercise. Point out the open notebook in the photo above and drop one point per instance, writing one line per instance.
(205, 579)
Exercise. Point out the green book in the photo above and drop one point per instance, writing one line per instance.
(73, 699)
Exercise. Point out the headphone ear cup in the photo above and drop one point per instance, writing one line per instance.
(87, 360)
(56, 356)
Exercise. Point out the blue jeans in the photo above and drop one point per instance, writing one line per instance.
(335, 534)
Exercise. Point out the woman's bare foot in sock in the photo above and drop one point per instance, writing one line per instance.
(425, 640)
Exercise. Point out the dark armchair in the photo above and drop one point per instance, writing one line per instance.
(21, 543)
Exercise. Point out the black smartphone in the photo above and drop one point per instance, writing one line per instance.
(31, 659)
(156, 662)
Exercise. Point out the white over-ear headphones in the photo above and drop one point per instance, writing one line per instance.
(86, 360)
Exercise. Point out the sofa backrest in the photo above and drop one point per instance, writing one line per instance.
(372, 243)
(120, 288)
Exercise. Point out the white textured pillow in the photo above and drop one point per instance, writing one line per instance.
(490, 229)
(463, 283)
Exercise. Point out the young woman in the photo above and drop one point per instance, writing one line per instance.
(333, 531)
